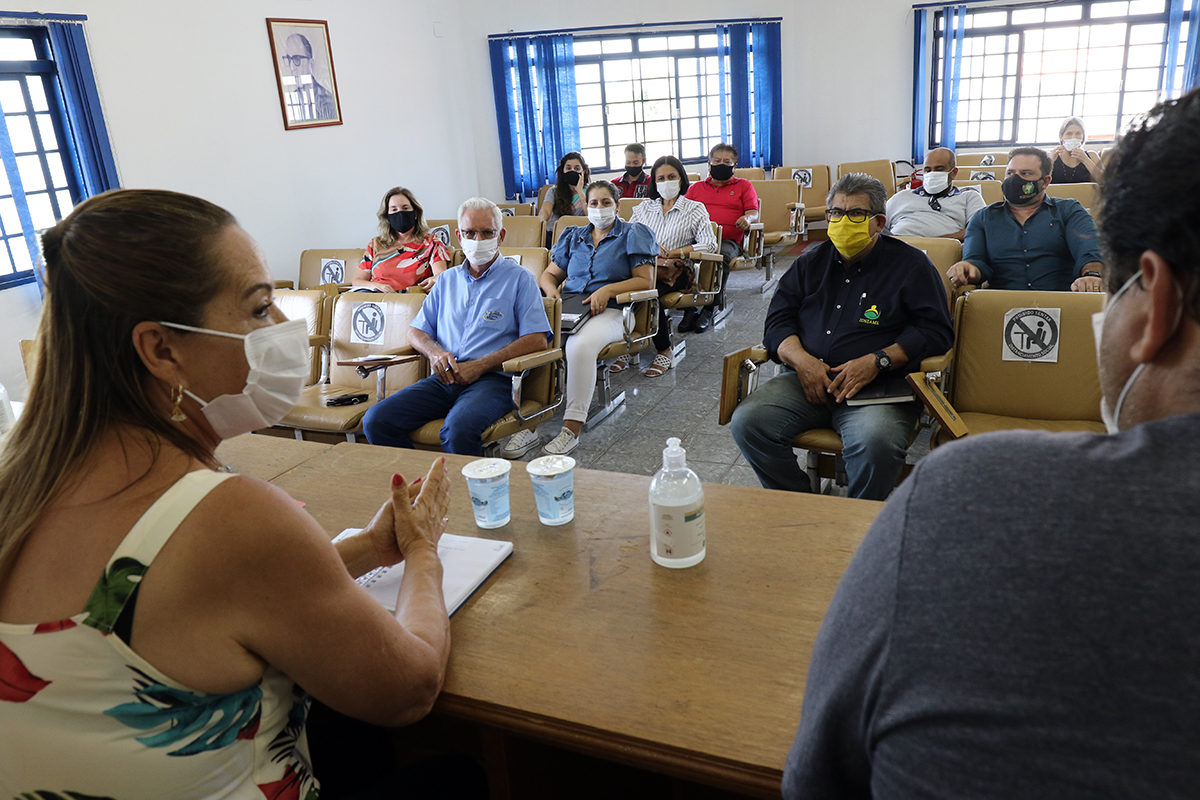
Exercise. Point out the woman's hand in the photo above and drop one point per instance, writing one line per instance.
(415, 512)
(599, 300)
(386, 288)
(427, 284)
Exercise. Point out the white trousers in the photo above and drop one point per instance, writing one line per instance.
(583, 347)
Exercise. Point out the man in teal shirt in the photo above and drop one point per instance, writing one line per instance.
(1030, 241)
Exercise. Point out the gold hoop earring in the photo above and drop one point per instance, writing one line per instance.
(177, 414)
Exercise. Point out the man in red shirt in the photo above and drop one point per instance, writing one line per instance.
(732, 203)
(635, 181)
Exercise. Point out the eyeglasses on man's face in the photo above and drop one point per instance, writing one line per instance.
(295, 61)
(728, 161)
(485, 233)
(855, 214)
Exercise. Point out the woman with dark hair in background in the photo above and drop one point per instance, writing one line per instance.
(152, 604)
(565, 197)
(405, 253)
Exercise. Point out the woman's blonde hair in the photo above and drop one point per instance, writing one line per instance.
(1068, 122)
(120, 258)
(387, 237)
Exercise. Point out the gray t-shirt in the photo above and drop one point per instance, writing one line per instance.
(1021, 621)
(909, 212)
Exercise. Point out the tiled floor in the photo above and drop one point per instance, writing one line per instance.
(682, 403)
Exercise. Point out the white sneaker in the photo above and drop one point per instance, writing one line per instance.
(519, 444)
(562, 444)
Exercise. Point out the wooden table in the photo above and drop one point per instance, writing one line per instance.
(579, 639)
(266, 457)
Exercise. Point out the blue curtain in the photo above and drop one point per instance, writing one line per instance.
(920, 137)
(740, 43)
(1191, 64)
(533, 79)
(89, 136)
(953, 32)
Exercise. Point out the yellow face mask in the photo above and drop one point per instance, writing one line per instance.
(850, 238)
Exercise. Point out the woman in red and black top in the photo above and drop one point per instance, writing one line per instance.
(405, 253)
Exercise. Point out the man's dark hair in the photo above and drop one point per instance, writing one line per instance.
(652, 189)
(1149, 199)
(636, 148)
(719, 146)
(1037, 153)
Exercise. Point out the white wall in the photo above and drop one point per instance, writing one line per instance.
(191, 103)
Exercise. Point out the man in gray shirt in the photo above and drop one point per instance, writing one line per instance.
(937, 207)
(1022, 620)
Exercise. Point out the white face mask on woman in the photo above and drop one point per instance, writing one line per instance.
(278, 359)
(668, 190)
(1112, 419)
(602, 218)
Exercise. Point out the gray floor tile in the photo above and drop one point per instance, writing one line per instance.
(708, 472)
(742, 476)
(716, 448)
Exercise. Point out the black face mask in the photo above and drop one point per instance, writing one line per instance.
(572, 177)
(402, 221)
(720, 172)
(634, 172)
(1018, 191)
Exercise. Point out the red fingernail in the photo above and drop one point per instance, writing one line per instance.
(397, 480)
(418, 480)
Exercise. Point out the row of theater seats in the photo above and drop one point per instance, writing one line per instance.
(972, 388)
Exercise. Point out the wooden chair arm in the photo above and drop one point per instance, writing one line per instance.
(637, 297)
(531, 360)
(937, 404)
(315, 340)
(738, 379)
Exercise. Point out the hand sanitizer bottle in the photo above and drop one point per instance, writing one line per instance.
(7, 417)
(676, 512)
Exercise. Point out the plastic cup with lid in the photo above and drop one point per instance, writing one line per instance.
(553, 479)
(487, 481)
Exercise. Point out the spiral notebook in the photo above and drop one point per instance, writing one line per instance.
(467, 561)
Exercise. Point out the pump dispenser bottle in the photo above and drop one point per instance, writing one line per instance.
(676, 511)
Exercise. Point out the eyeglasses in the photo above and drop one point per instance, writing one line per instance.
(486, 233)
(729, 162)
(295, 61)
(855, 214)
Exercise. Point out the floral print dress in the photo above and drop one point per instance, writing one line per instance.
(83, 716)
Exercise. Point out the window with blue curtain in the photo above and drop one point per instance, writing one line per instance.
(755, 91)
(53, 141)
(533, 78)
(1000, 76)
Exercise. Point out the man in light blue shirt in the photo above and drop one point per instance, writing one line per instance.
(479, 315)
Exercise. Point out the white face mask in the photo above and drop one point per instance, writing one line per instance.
(668, 190)
(935, 182)
(480, 252)
(602, 218)
(1072, 144)
(1112, 419)
(278, 359)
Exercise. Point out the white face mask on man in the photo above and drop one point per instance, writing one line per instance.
(935, 182)
(1112, 418)
(278, 360)
(480, 252)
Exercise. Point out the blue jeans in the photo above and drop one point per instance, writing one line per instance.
(468, 410)
(874, 438)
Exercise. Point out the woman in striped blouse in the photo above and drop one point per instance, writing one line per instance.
(681, 226)
(405, 253)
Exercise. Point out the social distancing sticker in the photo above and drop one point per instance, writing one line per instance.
(1031, 334)
(333, 270)
(802, 177)
(367, 324)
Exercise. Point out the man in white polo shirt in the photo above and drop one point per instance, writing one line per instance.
(937, 207)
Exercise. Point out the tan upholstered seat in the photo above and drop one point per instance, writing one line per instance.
(329, 267)
(315, 308)
(524, 232)
(750, 173)
(385, 326)
(967, 160)
(1088, 194)
(944, 253)
(517, 209)
(626, 205)
(989, 189)
(813, 197)
(706, 280)
(538, 387)
(880, 168)
(541, 198)
(986, 391)
(562, 223)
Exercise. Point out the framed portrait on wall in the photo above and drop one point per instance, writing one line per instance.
(303, 60)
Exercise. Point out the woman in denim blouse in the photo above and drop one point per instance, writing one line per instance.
(605, 258)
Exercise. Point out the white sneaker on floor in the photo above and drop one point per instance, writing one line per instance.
(519, 444)
(562, 444)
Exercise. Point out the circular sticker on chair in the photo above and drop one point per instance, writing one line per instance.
(1031, 334)
(367, 323)
(333, 270)
(442, 234)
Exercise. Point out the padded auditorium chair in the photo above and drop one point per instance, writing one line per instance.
(811, 197)
(780, 223)
(706, 288)
(944, 253)
(750, 173)
(626, 205)
(562, 223)
(1088, 194)
(315, 307)
(967, 160)
(516, 209)
(329, 267)
(989, 189)
(880, 168)
(986, 393)
(386, 326)
(524, 231)
(538, 386)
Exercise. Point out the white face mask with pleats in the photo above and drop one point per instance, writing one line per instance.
(668, 190)
(602, 218)
(278, 359)
(1112, 418)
